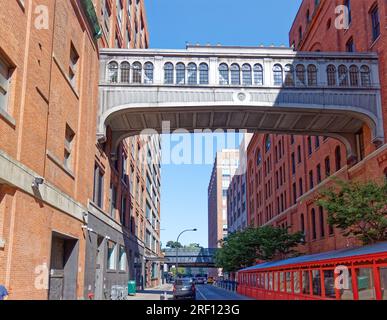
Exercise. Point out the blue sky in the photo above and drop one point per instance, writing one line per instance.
(173, 23)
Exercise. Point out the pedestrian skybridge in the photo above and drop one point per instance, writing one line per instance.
(190, 257)
(268, 90)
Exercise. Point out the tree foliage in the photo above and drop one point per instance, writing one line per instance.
(243, 248)
(360, 209)
(173, 244)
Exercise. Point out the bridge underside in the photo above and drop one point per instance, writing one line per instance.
(339, 124)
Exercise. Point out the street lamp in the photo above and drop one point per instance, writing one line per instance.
(177, 249)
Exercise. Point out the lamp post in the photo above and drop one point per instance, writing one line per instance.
(177, 249)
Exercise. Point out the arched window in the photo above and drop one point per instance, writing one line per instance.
(113, 72)
(312, 75)
(148, 70)
(343, 76)
(137, 72)
(259, 157)
(278, 75)
(192, 73)
(180, 73)
(267, 143)
(289, 75)
(331, 75)
(385, 174)
(365, 76)
(300, 74)
(258, 74)
(313, 219)
(203, 70)
(302, 223)
(223, 74)
(246, 75)
(354, 76)
(168, 73)
(125, 72)
(327, 167)
(338, 158)
(235, 74)
(322, 223)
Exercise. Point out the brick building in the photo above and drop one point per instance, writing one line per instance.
(73, 221)
(286, 173)
(124, 212)
(48, 103)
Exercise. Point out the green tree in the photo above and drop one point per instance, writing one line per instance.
(193, 245)
(173, 244)
(358, 208)
(242, 249)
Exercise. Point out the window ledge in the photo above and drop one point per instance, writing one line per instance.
(65, 76)
(7, 117)
(52, 157)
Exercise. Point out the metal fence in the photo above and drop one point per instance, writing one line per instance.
(227, 285)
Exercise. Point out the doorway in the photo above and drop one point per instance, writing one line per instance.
(63, 268)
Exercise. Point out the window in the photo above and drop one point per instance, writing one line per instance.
(137, 72)
(113, 200)
(312, 75)
(111, 256)
(296, 282)
(192, 74)
(305, 282)
(299, 158)
(289, 75)
(365, 76)
(343, 76)
(168, 73)
(123, 211)
(98, 186)
(383, 282)
(354, 76)
(148, 72)
(327, 167)
(365, 284)
(277, 74)
(316, 142)
(119, 13)
(293, 164)
(307, 16)
(235, 74)
(347, 294)
(288, 282)
(310, 146)
(123, 259)
(300, 74)
(375, 23)
(113, 72)
(5, 74)
(302, 223)
(68, 147)
(73, 69)
(313, 218)
(246, 75)
(259, 157)
(203, 73)
(267, 143)
(338, 158)
(329, 284)
(282, 282)
(125, 72)
(331, 75)
(180, 73)
(322, 223)
(350, 45)
(318, 169)
(300, 186)
(258, 75)
(106, 17)
(294, 193)
(223, 74)
(316, 281)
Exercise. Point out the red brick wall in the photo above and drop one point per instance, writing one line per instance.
(318, 36)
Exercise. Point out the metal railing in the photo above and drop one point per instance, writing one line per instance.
(229, 285)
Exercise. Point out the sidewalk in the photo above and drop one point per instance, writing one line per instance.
(153, 293)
